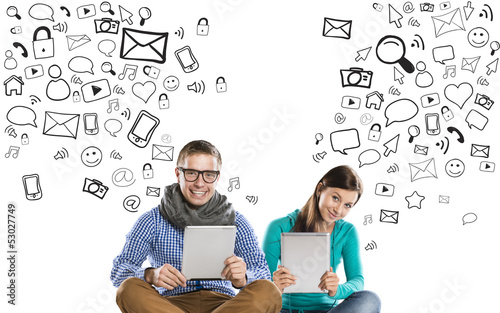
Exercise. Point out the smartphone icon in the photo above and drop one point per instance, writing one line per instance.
(143, 128)
(90, 123)
(432, 123)
(186, 59)
(32, 188)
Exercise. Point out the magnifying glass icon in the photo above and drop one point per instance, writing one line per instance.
(391, 50)
(106, 67)
(12, 11)
(494, 45)
(106, 7)
(145, 14)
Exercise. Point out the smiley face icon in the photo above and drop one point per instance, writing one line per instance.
(454, 168)
(91, 156)
(171, 83)
(478, 37)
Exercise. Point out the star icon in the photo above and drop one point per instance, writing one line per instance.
(415, 200)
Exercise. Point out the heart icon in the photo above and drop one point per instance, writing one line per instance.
(144, 91)
(458, 94)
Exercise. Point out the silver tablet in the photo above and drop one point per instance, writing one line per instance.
(307, 256)
(205, 250)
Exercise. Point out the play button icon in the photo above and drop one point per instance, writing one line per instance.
(386, 190)
(85, 11)
(487, 166)
(96, 90)
(33, 71)
(430, 100)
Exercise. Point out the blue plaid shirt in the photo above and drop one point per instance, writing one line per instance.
(154, 238)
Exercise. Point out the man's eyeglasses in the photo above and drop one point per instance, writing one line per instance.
(192, 175)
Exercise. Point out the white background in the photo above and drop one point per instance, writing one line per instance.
(283, 87)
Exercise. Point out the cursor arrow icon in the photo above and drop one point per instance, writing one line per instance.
(394, 16)
(391, 145)
(398, 76)
(125, 15)
(363, 54)
(492, 67)
(468, 10)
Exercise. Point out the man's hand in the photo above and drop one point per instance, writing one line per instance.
(166, 276)
(235, 271)
(282, 278)
(329, 281)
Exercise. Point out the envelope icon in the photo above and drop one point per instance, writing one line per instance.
(470, 64)
(143, 46)
(444, 199)
(423, 169)
(480, 151)
(421, 150)
(61, 124)
(387, 216)
(163, 153)
(76, 41)
(153, 191)
(448, 22)
(337, 28)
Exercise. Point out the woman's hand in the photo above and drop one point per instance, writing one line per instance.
(329, 281)
(282, 278)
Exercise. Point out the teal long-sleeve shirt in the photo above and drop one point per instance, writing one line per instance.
(345, 245)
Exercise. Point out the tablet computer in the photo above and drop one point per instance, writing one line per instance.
(205, 250)
(307, 256)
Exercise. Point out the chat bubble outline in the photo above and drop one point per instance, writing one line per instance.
(401, 110)
(476, 119)
(38, 11)
(80, 64)
(19, 114)
(443, 53)
(103, 47)
(368, 157)
(346, 139)
(109, 125)
(469, 218)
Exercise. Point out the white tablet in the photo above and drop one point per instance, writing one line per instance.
(205, 250)
(307, 256)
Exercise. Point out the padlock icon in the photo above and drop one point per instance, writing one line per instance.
(202, 29)
(43, 48)
(220, 84)
(163, 101)
(151, 71)
(76, 96)
(16, 30)
(374, 133)
(24, 139)
(147, 171)
(447, 114)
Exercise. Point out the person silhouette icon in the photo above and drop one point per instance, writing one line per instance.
(423, 79)
(57, 89)
(10, 63)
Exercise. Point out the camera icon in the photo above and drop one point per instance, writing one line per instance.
(426, 7)
(106, 25)
(484, 101)
(356, 77)
(95, 187)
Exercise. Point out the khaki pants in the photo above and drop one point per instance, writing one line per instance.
(137, 296)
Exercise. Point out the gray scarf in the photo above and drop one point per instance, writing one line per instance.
(217, 211)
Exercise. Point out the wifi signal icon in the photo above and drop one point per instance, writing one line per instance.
(371, 246)
(484, 13)
(253, 200)
(180, 32)
(393, 168)
(34, 99)
(444, 145)
(417, 43)
(76, 80)
(126, 113)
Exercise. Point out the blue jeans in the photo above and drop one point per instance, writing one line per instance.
(363, 301)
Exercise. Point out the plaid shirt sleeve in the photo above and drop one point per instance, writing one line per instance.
(137, 247)
(247, 247)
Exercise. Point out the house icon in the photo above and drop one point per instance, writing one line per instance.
(14, 84)
(374, 99)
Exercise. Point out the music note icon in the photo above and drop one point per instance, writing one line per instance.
(13, 151)
(450, 70)
(126, 68)
(234, 181)
(368, 219)
(116, 103)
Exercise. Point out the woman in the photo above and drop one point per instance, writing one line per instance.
(334, 196)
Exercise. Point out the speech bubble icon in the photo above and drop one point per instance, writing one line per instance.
(469, 218)
(443, 53)
(400, 111)
(41, 11)
(20, 115)
(368, 157)
(344, 139)
(113, 126)
(476, 119)
(106, 46)
(81, 64)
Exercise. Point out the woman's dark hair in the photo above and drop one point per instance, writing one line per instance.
(343, 177)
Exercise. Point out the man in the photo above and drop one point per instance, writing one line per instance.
(158, 235)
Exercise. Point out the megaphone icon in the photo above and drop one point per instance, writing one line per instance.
(60, 27)
(197, 87)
